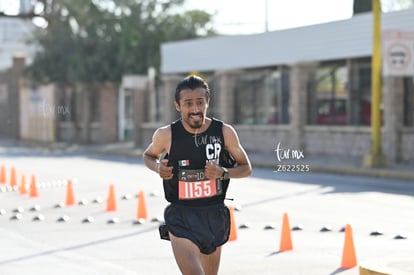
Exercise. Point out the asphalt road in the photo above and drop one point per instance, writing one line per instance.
(311, 201)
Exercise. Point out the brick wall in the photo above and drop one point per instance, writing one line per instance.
(263, 139)
(337, 141)
(108, 113)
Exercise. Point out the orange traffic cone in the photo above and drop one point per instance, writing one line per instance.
(22, 186)
(233, 225)
(2, 175)
(33, 193)
(111, 201)
(70, 197)
(13, 181)
(348, 255)
(285, 238)
(142, 212)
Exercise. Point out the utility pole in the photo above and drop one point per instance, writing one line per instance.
(375, 158)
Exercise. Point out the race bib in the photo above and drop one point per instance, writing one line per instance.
(193, 185)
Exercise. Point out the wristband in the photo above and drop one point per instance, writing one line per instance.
(225, 175)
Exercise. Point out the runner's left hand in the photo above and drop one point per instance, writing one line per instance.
(213, 171)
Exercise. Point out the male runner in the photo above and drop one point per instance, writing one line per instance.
(195, 177)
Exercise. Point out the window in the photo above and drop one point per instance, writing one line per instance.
(341, 94)
(262, 97)
(328, 100)
(331, 111)
(360, 90)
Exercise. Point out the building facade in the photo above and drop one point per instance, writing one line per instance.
(15, 53)
(306, 88)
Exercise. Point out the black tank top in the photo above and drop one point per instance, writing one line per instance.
(191, 152)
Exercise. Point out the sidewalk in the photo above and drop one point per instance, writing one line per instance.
(323, 164)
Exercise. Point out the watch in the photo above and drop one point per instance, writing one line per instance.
(225, 175)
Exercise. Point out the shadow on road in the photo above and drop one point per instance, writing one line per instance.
(74, 247)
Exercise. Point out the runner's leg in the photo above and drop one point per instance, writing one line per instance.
(187, 256)
(211, 262)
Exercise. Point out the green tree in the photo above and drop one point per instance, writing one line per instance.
(91, 41)
(361, 6)
(392, 5)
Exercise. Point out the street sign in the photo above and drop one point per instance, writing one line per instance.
(398, 53)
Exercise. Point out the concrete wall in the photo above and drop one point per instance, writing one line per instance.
(407, 148)
(109, 113)
(337, 141)
(82, 129)
(38, 112)
(263, 138)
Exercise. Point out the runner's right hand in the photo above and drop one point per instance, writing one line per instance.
(164, 170)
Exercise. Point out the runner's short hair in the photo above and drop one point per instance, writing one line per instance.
(191, 82)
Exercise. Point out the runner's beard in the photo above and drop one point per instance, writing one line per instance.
(195, 120)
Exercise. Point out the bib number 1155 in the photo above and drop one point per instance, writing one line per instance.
(196, 189)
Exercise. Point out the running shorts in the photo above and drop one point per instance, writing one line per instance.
(206, 226)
